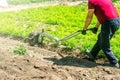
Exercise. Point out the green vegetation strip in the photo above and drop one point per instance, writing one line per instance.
(58, 21)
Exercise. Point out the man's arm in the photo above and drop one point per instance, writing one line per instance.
(88, 18)
(95, 29)
(97, 24)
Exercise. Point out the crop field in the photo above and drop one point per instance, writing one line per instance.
(58, 21)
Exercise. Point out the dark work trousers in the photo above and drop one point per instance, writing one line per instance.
(108, 29)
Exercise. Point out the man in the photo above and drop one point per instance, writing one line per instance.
(109, 19)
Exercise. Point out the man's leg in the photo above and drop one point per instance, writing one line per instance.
(93, 53)
(107, 31)
(95, 50)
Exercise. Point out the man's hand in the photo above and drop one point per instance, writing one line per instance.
(94, 30)
(83, 32)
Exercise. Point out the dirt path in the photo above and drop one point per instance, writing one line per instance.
(41, 64)
(25, 6)
(35, 5)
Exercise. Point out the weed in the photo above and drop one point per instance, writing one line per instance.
(20, 50)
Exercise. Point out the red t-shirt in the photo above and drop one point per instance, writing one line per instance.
(104, 9)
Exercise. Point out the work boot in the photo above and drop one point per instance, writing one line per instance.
(91, 58)
(115, 65)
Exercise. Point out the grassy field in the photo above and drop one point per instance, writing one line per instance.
(58, 21)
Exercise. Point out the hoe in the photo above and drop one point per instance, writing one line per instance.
(38, 37)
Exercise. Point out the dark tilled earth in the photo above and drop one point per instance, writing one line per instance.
(42, 64)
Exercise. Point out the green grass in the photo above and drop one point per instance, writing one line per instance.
(58, 21)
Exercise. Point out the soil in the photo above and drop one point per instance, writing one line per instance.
(42, 64)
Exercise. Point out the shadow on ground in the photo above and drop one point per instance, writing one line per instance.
(72, 61)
